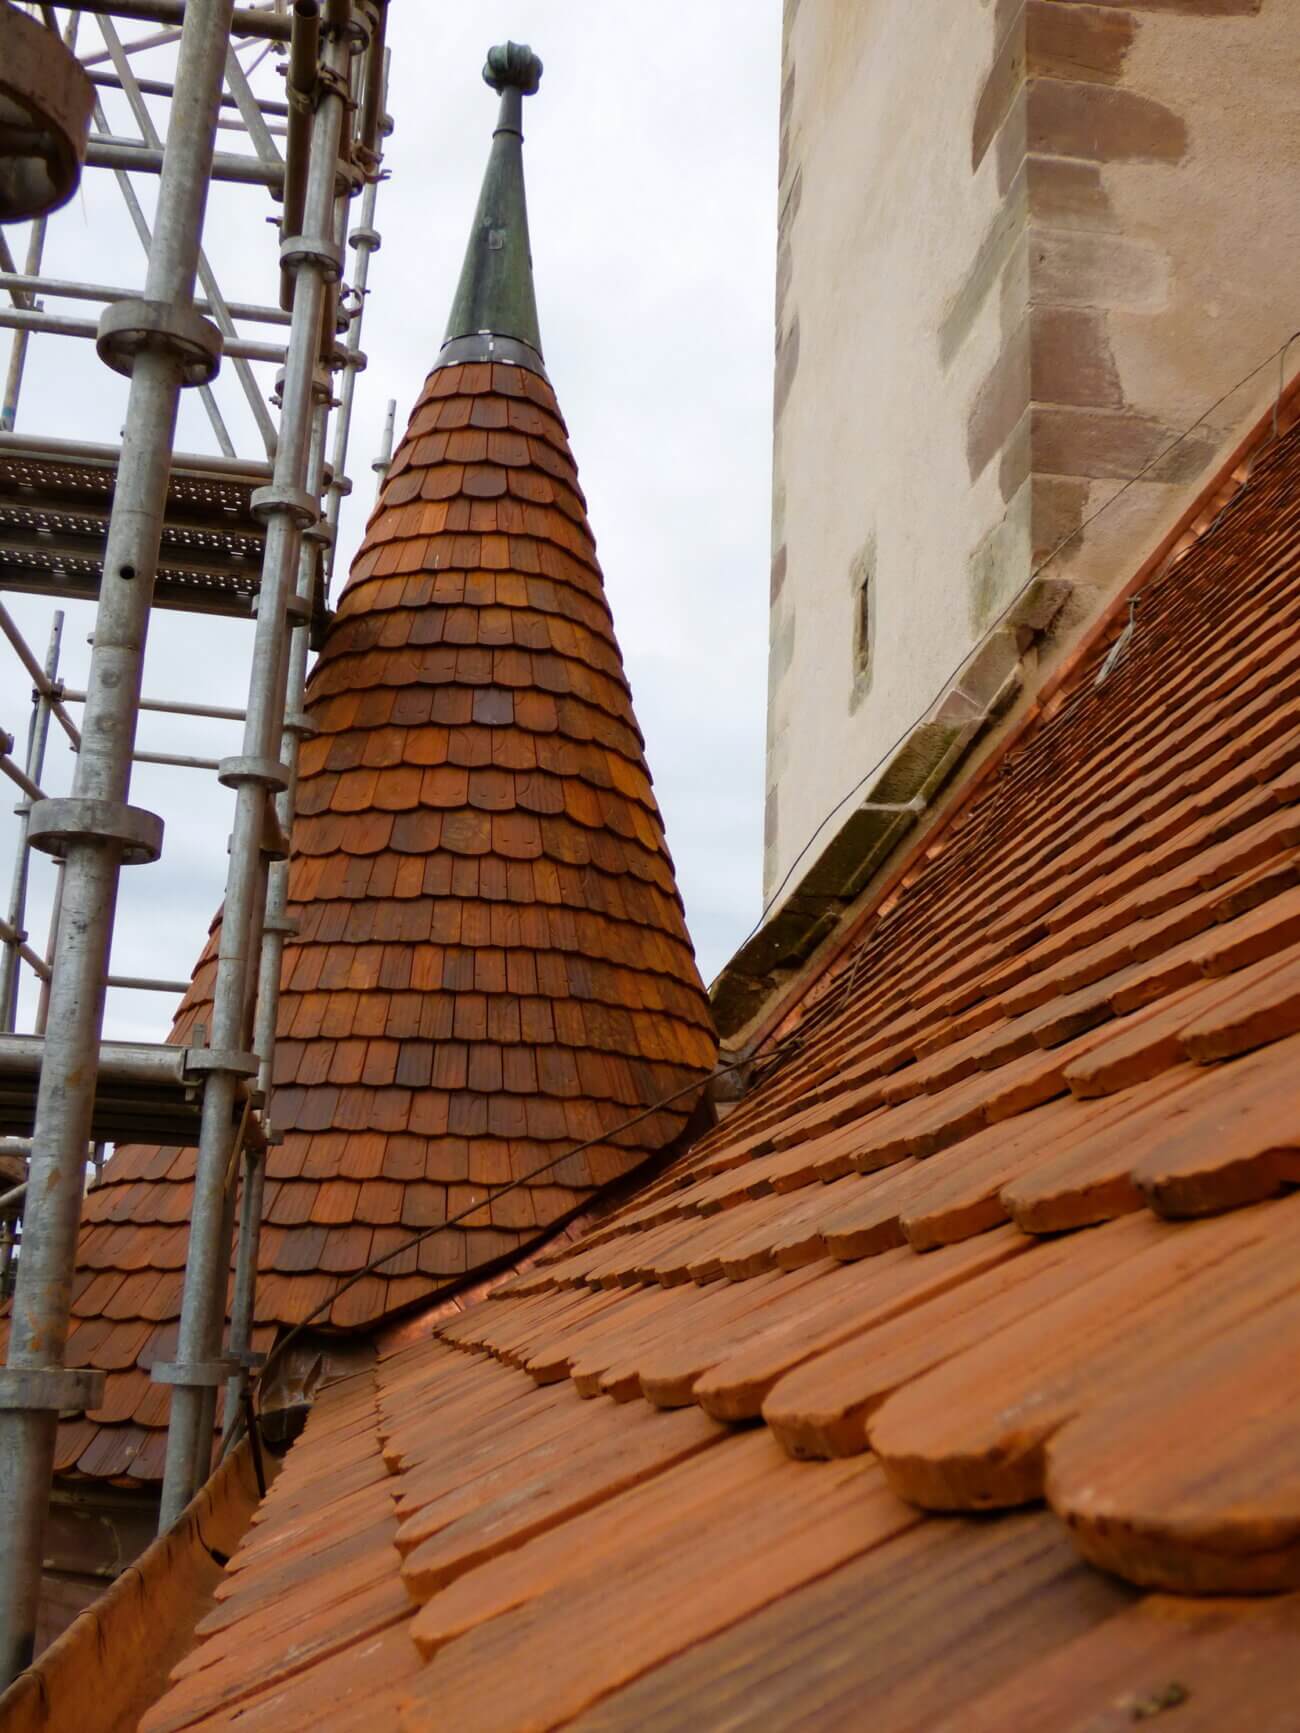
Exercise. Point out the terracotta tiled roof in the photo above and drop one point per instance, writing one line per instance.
(492, 963)
(1004, 1226)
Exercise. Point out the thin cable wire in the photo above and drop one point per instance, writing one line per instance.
(792, 1042)
(1281, 379)
(1278, 355)
(490, 1196)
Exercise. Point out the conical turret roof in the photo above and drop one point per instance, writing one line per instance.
(492, 963)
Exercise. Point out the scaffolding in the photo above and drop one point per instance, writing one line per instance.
(140, 526)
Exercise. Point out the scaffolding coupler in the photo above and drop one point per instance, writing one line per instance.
(128, 328)
(53, 826)
(51, 1389)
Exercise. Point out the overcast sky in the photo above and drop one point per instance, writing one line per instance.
(651, 163)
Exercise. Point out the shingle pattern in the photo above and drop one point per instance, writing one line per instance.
(1006, 1228)
(492, 963)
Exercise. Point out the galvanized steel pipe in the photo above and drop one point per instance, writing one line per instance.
(63, 325)
(12, 938)
(24, 282)
(172, 707)
(253, 21)
(275, 927)
(19, 777)
(365, 239)
(303, 76)
(159, 87)
(14, 947)
(207, 1263)
(9, 628)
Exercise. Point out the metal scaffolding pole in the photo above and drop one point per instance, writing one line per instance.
(162, 344)
(158, 87)
(107, 151)
(207, 276)
(37, 737)
(365, 239)
(275, 927)
(172, 707)
(336, 121)
(61, 325)
(145, 235)
(385, 458)
(8, 768)
(248, 20)
(312, 256)
(278, 925)
(45, 971)
(28, 283)
(18, 349)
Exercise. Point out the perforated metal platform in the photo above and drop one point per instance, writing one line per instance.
(55, 500)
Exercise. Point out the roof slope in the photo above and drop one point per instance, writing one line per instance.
(492, 963)
(1004, 1224)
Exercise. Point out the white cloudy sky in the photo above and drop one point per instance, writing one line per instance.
(651, 161)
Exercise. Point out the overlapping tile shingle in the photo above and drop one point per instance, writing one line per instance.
(492, 964)
(1009, 1222)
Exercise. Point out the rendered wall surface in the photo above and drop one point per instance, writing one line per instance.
(1023, 246)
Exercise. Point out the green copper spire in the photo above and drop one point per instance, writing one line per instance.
(494, 315)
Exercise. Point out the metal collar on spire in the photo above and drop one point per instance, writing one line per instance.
(494, 315)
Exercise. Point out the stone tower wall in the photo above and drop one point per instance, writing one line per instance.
(1023, 247)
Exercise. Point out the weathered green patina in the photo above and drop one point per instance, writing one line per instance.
(495, 298)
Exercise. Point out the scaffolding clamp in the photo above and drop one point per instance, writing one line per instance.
(221, 1059)
(56, 1389)
(53, 825)
(319, 251)
(321, 531)
(302, 507)
(266, 772)
(198, 1374)
(298, 610)
(130, 328)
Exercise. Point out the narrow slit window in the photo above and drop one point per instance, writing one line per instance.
(862, 589)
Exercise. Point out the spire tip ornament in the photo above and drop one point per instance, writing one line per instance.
(513, 66)
(494, 314)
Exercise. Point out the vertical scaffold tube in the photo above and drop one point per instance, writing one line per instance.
(35, 768)
(276, 925)
(312, 258)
